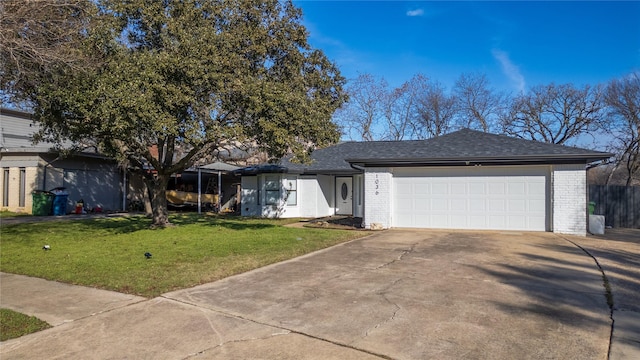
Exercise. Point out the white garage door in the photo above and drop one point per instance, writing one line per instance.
(496, 198)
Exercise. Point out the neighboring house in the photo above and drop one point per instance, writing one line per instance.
(463, 180)
(27, 167)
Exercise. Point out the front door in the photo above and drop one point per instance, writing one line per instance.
(344, 196)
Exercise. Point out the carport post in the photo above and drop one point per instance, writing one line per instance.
(199, 190)
(219, 190)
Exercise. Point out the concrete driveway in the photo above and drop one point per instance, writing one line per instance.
(399, 294)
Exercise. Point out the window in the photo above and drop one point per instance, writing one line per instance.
(23, 187)
(5, 187)
(271, 189)
(291, 186)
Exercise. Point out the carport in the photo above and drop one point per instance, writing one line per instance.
(215, 181)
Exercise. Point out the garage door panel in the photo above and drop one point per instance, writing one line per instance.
(439, 188)
(477, 188)
(403, 189)
(496, 205)
(459, 188)
(517, 222)
(440, 220)
(496, 188)
(517, 205)
(516, 188)
(501, 198)
(476, 205)
(477, 222)
(458, 205)
(496, 222)
(537, 206)
(421, 189)
(536, 187)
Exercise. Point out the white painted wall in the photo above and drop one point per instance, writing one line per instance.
(249, 197)
(308, 188)
(254, 200)
(570, 199)
(325, 197)
(378, 201)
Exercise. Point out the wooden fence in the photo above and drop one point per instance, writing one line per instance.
(620, 205)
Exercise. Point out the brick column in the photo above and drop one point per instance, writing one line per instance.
(570, 199)
(377, 198)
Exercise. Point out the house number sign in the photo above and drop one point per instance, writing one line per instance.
(377, 182)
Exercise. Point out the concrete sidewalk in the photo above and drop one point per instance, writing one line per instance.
(58, 303)
(396, 294)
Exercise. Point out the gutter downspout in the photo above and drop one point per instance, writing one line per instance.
(44, 168)
(357, 167)
(552, 196)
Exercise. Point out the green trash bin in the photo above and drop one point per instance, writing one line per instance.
(592, 207)
(42, 203)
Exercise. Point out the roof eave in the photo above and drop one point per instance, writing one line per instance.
(466, 161)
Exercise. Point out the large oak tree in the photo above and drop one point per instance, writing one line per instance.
(186, 77)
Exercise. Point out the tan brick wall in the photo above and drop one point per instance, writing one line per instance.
(31, 176)
(31, 185)
(2, 181)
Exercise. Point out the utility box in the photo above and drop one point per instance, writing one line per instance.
(596, 224)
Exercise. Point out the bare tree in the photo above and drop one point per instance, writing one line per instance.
(554, 113)
(622, 98)
(401, 108)
(478, 103)
(39, 36)
(360, 117)
(436, 112)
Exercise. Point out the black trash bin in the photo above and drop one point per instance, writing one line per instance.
(60, 201)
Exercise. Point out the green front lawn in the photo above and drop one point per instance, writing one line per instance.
(7, 214)
(109, 253)
(14, 324)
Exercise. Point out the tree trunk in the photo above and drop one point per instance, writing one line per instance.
(157, 186)
(612, 173)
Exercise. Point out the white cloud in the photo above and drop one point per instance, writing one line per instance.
(511, 70)
(416, 12)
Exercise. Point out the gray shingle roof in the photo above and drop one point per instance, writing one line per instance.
(456, 148)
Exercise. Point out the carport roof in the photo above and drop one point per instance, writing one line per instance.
(460, 148)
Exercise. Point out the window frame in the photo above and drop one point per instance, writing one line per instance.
(291, 188)
(22, 197)
(272, 186)
(6, 175)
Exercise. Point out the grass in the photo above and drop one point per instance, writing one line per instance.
(108, 253)
(14, 324)
(7, 213)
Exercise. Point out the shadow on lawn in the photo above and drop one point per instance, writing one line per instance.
(141, 222)
(231, 222)
(124, 224)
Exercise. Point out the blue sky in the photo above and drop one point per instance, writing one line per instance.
(516, 44)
